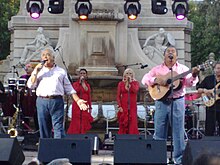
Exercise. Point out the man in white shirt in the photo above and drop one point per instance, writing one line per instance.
(51, 83)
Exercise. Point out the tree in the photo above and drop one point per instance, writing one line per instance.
(8, 9)
(206, 32)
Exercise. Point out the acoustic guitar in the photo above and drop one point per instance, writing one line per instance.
(211, 99)
(159, 92)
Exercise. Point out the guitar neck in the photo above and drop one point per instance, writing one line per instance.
(182, 75)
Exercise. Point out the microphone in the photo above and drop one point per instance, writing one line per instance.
(170, 56)
(57, 48)
(82, 79)
(144, 66)
(169, 81)
(43, 62)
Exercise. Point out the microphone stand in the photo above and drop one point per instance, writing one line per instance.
(70, 79)
(216, 133)
(171, 115)
(80, 118)
(68, 75)
(129, 107)
(126, 66)
(15, 71)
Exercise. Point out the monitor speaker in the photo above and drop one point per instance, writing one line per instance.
(77, 151)
(195, 148)
(11, 152)
(135, 149)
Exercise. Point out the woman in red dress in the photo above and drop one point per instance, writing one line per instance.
(81, 120)
(127, 103)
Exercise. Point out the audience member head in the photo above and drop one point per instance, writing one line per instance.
(209, 158)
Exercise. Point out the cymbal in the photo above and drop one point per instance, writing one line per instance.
(198, 102)
(192, 96)
(191, 91)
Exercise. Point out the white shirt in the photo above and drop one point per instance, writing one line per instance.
(52, 81)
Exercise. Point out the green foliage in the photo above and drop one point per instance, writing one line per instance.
(206, 32)
(8, 9)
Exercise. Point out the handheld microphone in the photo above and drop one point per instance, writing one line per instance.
(144, 66)
(82, 79)
(43, 62)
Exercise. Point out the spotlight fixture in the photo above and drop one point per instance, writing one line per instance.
(158, 7)
(35, 8)
(132, 10)
(180, 9)
(56, 6)
(83, 8)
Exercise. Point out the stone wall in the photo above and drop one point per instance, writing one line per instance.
(75, 37)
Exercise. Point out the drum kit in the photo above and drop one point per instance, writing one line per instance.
(194, 114)
(18, 97)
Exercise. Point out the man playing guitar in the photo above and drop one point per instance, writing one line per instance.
(209, 88)
(160, 77)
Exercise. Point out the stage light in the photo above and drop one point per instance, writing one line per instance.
(159, 6)
(56, 6)
(133, 9)
(180, 9)
(83, 9)
(35, 8)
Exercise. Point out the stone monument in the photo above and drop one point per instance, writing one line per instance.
(107, 39)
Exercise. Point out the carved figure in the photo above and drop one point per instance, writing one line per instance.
(32, 49)
(161, 39)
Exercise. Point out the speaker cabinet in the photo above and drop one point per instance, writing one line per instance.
(196, 147)
(77, 151)
(10, 152)
(92, 137)
(135, 149)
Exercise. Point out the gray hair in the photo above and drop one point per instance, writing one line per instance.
(50, 50)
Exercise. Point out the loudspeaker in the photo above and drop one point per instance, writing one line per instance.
(134, 149)
(127, 136)
(196, 147)
(94, 139)
(10, 152)
(77, 151)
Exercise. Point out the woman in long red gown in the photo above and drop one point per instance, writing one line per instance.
(81, 120)
(127, 103)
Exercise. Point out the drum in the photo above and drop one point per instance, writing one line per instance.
(200, 108)
(109, 112)
(95, 112)
(69, 110)
(141, 112)
(150, 113)
(21, 83)
(190, 115)
(12, 83)
(10, 100)
(28, 102)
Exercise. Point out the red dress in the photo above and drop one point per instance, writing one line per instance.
(81, 120)
(127, 125)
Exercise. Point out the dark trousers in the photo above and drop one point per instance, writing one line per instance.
(211, 122)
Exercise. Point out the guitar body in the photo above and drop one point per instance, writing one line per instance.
(210, 100)
(159, 92)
